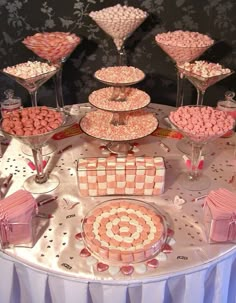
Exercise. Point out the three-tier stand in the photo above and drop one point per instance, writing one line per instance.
(120, 116)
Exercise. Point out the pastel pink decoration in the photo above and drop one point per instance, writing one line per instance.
(131, 231)
(85, 253)
(153, 263)
(137, 176)
(102, 267)
(127, 270)
(16, 219)
(220, 216)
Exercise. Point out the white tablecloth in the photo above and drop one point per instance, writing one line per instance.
(194, 272)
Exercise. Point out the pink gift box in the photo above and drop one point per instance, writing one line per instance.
(17, 220)
(17, 234)
(220, 218)
(136, 173)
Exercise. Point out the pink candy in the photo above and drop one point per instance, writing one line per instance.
(53, 46)
(29, 69)
(120, 74)
(136, 99)
(137, 125)
(183, 46)
(201, 122)
(31, 121)
(204, 69)
(119, 21)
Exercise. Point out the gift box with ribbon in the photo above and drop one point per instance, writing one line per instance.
(17, 213)
(220, 216)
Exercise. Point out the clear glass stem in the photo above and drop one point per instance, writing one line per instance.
(121, 56)
(118, 119)
(58, 89)
(200, 96)
(180, 89)
(40, 177)
(33, 96)
(118, 94)
(195, 159)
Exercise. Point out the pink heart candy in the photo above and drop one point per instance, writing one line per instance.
(127, 269)
(85, 253)
(102, 267)
(170, 232)
(167, 249)
(153, 263)
(79, 236)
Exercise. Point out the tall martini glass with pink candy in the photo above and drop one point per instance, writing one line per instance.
(202, 75)
(34, 132)
(200, 125)
(119, 22)
(183, 46)
(31, 75)
(54, 47)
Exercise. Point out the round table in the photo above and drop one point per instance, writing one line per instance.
(54, 271)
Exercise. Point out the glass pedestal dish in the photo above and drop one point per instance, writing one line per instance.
(200, 125)
(124, 231)
(119, 119)
(119, 22)
(119, 128)
(32, 85)
(55, 47)
(35, 138)
(201, 83)
(182, 46)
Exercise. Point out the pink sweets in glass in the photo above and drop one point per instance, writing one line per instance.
(183, 46)
(124, 231)
(203, 74)
(31, 75)
(54, 47)
(119, 22)
(34, 126)
(200, 124)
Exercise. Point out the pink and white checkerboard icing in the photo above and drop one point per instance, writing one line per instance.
(121, 176)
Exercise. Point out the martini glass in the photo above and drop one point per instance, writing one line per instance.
(194, 180)
(180, 55)
(55, 47)
(201, 84)
(32, 85)
(120, 26)
(42, 182)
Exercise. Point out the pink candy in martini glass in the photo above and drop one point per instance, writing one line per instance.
(201, 74)
(183, 46)
(200, 125)
(34, 126)
(54, 47)
(119, 22)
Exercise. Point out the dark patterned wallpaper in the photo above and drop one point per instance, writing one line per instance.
(19, 19)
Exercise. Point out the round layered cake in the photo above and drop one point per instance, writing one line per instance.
(124, 231)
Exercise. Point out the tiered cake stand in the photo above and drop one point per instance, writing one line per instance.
(120, 116)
